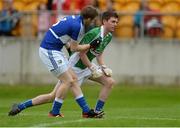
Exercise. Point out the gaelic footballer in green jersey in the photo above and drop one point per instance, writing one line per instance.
(81, 62)
(78, 65)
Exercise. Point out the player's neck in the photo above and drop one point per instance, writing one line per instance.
(105, 32)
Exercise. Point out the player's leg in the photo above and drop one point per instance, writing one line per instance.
(80, 76)
(57, 64)
(41, 99)
(107, 83)
(45, 98)
(66, 81)
(77, 92)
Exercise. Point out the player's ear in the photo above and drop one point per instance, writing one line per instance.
(90, 20)
(87, 20)
(104, 21)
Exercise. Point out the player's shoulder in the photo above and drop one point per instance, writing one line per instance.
(74, 18)
(95, 30)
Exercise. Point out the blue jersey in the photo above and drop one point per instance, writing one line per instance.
(68, 28)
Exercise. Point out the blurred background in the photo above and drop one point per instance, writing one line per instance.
(145, 47)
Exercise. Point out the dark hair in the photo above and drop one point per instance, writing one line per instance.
(89, 12)
(108, 14)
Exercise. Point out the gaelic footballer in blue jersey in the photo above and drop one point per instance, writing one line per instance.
(69, 29)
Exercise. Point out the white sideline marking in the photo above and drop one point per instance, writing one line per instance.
(60, 122)
(145, 118)
(24, 114)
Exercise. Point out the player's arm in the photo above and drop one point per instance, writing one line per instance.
(107, 71)
(100, 59)
(76, 47)
(94, 69)
(85, 59)
(68, 49)
(76, 38)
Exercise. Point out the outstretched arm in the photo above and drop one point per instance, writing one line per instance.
(85, 59)
(76, 47)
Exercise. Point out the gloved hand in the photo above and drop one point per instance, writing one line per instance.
(96, 72)
(107, 71)
(95, 43)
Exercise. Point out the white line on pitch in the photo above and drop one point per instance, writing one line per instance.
(116, 118)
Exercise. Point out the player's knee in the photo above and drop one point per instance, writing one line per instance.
(113, 82)
(110, 83)
(75, 78)
(67, 82)
(51, 96)
(72, 81)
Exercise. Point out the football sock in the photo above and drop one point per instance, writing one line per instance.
(82, 103)
(57, 106)
(25, 105)
(99, 105)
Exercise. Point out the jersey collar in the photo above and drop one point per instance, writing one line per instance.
(102, 32)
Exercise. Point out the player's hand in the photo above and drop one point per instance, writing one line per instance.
(96, 72)
(107, 71)
(69, 51)
(67, 45)
(95, 43)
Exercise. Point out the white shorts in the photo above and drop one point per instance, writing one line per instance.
(55, 61)
(82, 74)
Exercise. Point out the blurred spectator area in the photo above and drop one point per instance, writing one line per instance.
(170, 22)
(126, 9)
(28, 22)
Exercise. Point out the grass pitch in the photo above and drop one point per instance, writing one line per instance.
(128, 105)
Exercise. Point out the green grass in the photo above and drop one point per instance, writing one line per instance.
(128, 105)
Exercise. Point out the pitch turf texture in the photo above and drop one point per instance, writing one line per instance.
(128, 105)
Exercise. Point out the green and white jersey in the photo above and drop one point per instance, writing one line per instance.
(88, 38)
